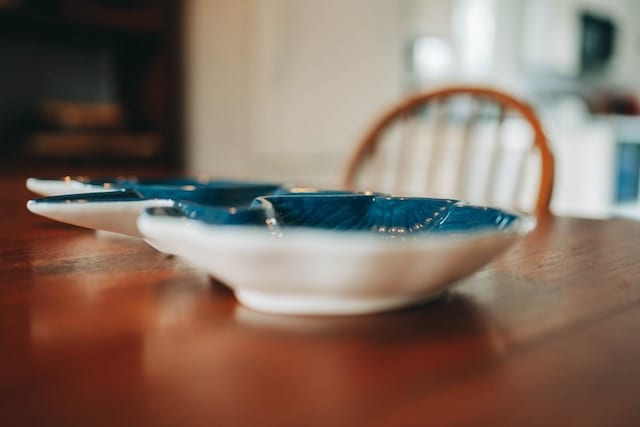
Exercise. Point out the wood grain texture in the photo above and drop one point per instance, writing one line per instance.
(102, 330)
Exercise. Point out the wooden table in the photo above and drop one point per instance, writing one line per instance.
(100, 330)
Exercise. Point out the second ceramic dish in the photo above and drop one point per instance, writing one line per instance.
(83, 184)
(118, 211)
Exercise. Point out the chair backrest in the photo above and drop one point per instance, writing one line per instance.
(466, 142)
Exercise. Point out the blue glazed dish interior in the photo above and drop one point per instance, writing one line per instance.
(220, 197)
(379, 214)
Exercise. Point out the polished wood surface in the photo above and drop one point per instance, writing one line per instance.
(406, 108)
(102, 330)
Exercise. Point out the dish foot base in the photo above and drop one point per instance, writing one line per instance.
(327, 305)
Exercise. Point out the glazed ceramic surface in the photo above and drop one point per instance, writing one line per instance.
(81, 185)
(117, 211)
(335, 254)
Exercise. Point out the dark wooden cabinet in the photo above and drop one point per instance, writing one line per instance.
(91, 81)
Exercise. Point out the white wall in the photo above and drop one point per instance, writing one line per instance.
(217, 43)
(283, 89)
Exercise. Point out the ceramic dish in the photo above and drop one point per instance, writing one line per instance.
(117, 211)
(345, 254)
(81, 185)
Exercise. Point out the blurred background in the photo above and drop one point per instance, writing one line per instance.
(284, 89)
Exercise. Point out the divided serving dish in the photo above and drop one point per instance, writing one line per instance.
(335, 254)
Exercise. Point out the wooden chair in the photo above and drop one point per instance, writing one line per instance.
(410, 150)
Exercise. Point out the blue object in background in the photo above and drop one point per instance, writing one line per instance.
(628, 172)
